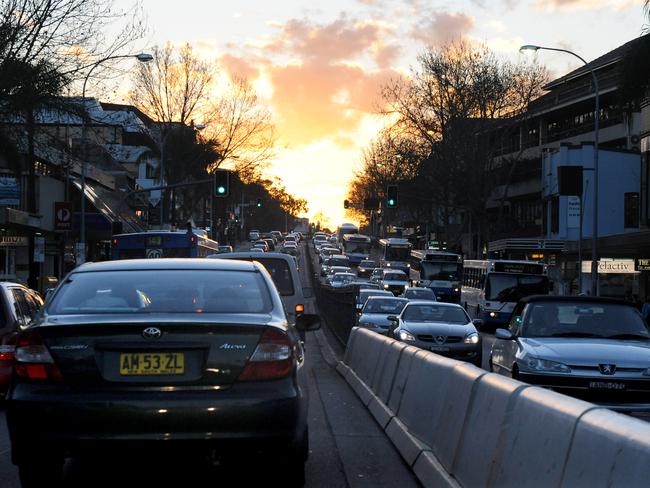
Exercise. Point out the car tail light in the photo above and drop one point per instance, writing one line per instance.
(300, 308)
(272, 358)
(33, 360)
(7, 353)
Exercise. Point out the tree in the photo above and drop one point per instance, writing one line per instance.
(460, 104)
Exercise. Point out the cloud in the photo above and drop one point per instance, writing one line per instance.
(568, 5)
(238, 67)
(443, 27)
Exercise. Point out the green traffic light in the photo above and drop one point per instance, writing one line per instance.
(221, 190)
(391, 202)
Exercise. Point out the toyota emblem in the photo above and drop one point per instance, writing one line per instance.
(152, 333)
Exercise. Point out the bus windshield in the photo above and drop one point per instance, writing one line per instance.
(440, 271)
(397, 253)
(352, 247)
(512, 288)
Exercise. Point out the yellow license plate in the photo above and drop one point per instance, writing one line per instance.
(154, 363)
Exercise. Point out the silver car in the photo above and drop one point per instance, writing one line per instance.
(342, 280)
(596, 349)
(444, 328)
(364, 294)
(395, 281)
(375, 313)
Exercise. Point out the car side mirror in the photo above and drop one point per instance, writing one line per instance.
(307, 292)
(308, 322)
(504, 334)
(478, 323)
(393, 318)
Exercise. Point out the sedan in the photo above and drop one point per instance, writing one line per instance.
(596, 349)
(139, 355)
(342, 280)
(444, 328)
(366, 267)
(364, 294)
(395, 281)
(376, 312)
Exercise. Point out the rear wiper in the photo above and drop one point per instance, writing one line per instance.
(630, 337)
(575, 334)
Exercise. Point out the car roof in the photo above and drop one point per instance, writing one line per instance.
(379, 291)
(339, 256)
(169, 263)
(392, 298)
(574, 299)
(248, 254)
(411, 288)
(396, 271)
(431, 302)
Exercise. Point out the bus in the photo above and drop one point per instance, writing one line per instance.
(346, 229)
(193, 243)
(395, 253)
(492, 288)
(356, 247)
(439, 270)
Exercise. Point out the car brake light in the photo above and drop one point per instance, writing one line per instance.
(300, 308)
(272, 358)
(33, 360)
(7, 353)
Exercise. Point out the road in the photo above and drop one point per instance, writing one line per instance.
(347, 447)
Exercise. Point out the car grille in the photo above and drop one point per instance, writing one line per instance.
(431, 338)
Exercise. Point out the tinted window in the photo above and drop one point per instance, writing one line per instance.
(512, 287)
(169, 291)
(387, 306)
(395, 276)
(368, 264)
(547, 319)
(435, 313)
(421, 294)
(339, 262)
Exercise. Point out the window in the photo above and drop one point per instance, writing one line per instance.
(631, 210)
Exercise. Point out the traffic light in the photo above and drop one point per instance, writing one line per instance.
(391, 196)
(258, 203)
(221, 183)
(346, 203)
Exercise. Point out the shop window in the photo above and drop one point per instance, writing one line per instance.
(631, 210)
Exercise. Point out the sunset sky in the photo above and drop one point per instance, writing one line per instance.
(319, 65)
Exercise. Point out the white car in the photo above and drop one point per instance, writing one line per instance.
(341, 280)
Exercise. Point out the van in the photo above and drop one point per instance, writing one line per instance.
(284, 271)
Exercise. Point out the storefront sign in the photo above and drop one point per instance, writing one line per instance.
(643, 264)
(62, 216)
(611, 266)
(573, 212)
(9, 191)
(13, 241)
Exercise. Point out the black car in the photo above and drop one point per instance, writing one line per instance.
(148, 354)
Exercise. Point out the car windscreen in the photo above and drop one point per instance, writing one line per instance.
(395, 277)
(363, 295)
(387, 306)
(339, 262)
(504, 287)
(420, 294)
(368, 264)
(435, 313)
(164, 291)
(280, 273)
(568, 319)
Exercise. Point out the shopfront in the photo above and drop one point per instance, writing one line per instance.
(617, 278)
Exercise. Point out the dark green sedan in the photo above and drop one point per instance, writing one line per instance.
(147, 354)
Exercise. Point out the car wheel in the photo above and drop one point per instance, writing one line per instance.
(37, 473)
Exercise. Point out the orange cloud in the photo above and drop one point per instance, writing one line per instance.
(443, 27)
(238, 67)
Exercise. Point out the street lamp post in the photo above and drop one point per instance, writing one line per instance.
(143, 58)
(594, 241)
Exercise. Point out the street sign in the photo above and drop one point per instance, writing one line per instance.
(39, 249)
(62, 216)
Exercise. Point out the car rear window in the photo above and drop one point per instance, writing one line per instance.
(165, 291)
(395, 276)
(339, 262)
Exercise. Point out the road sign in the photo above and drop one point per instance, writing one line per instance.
(62, 216)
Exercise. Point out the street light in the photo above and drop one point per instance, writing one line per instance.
(143, 58)
(594, 241)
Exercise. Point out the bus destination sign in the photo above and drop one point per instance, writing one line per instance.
(522, 268)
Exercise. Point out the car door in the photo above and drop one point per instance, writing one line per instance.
(504, 352)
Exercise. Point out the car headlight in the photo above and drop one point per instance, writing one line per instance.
(405, 335)
(544, 365)
(472, 338)
(387, 265)
(386, 287)
(493, 314)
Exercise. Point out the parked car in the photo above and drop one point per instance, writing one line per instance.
(376, 310)
(419, 293)
(19, 307)
(366, 267)
(197, 352)
(395, 281)
(596, 349)
(444, 328)
(364, 294)
(342, 280)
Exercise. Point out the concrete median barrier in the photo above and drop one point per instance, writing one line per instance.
(535, 440)
(402, 375)
(608, 449)
(488, 412)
